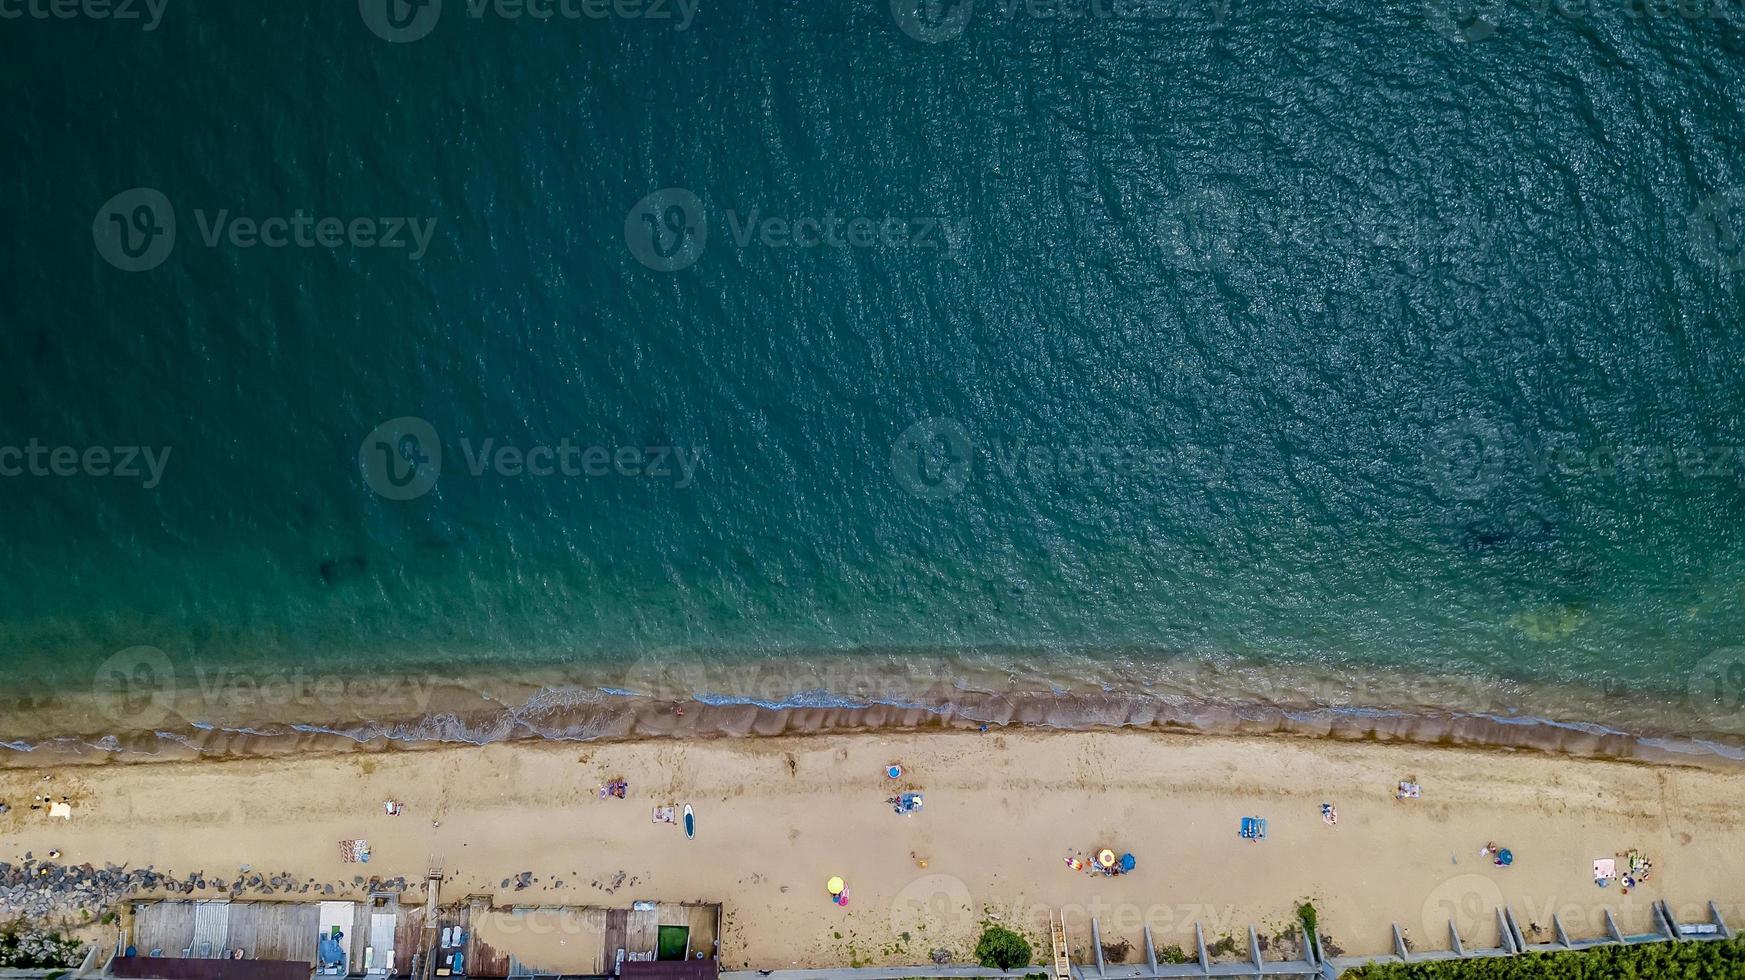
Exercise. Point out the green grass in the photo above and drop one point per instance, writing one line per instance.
(1655, 961)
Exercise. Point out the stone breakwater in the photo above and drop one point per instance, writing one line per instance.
(73, 894)
(60, 895)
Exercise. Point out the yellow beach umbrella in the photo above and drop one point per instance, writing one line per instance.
(835, 885)
(1106, 858)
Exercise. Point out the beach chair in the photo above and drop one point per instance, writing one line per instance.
(1253, 828)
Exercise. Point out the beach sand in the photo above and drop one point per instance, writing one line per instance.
(778, 816)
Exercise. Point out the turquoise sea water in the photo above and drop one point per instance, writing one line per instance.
(1333, 336)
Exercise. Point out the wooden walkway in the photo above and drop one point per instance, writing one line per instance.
(212, 929)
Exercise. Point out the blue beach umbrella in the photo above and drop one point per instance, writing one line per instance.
(1505, 857)
(1127, 862)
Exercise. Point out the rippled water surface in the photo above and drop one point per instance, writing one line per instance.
(1073, 342)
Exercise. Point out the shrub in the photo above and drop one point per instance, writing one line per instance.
(1659, 961)
(1310, 920)
(1172, 954)
(1002, 949)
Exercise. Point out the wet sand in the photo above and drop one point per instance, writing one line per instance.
(147, 707)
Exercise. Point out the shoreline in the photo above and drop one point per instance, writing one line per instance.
(459, 716)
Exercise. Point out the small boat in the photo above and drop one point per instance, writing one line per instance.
(690, 822)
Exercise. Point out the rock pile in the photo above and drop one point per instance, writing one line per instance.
(46, 892)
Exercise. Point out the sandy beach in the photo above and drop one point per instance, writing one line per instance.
(777, 816)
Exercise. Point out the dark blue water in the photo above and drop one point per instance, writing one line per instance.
(1094, 340)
